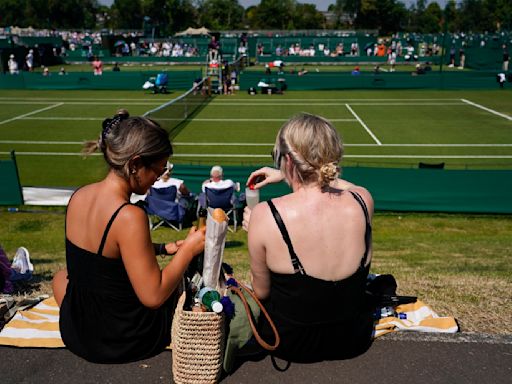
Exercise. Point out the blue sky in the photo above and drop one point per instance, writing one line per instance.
(320, 4)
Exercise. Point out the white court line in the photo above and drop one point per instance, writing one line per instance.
(487, 109)
(220, 100)
(179, 143)
(231, 104)
(267, 156)
(31, 113)
(363, 124)
(228, 99)
(64, 118)
(84, 104)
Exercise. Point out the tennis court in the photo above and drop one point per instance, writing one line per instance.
(463, 129)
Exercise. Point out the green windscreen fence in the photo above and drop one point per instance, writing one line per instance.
(416, 190)
(395, 80)
(10, 189)
(128, 80)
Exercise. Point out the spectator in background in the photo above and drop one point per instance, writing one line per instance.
(506, 58)
(97, 66)
(46, 71)
(62, 71)
(356, 71)
(12, 64)
(20, 269)
(462, 57)
(452, 57)
(167, 181)
(501, 78)
(29, 60)
(216, 180)
(116, 67)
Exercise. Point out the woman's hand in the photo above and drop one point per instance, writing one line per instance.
(247, 218)
(173, 247)
(264, 176)
(194, 243)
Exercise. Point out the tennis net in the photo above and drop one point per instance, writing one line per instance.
(174, 115)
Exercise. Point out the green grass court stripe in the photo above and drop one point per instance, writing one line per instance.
(266, 155)
(268, 144)
(30, 113)
(173, 119)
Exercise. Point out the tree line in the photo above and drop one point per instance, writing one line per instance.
(169, 16)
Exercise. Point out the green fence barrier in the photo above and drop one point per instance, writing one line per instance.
(395, 80)
(83, 80)
(393, 189)
(10, 189)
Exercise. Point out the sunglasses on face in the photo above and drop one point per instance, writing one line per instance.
(276, 157)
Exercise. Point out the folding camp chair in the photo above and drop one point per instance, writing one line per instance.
(221, 198)
(161, 203)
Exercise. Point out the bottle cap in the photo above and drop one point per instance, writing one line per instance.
(217, 307)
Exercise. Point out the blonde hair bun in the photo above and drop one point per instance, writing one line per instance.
(328, 173)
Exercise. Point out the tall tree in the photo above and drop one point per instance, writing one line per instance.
(221, 14)
(474, 16)
(345, 10)
(307, 17)
(385, 15)
(182, 14)
(275, 14)
(127, 14)
(12, 12)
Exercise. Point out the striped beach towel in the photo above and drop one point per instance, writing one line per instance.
(39, 326)
(34, 327)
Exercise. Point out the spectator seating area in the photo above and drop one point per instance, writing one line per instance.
(482, 51)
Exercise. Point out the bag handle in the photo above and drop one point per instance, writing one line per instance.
(263, 343)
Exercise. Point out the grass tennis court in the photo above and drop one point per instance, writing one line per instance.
(464, 129)
(459, 264)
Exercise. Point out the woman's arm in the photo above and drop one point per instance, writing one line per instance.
(264, 176)
(152, 285)
(260, 274)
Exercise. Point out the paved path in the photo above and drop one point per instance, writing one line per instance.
(397, 358)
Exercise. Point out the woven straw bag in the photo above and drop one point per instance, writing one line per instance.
(197, 346)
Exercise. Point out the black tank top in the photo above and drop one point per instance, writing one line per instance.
(101, 318)
(319, 319)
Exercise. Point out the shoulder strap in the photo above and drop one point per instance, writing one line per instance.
(297, 265)
(107, 229)
(368, 229)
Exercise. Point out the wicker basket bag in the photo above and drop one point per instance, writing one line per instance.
(197, 346)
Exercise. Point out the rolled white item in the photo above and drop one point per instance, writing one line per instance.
(215, 239)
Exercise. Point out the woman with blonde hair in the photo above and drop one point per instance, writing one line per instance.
(116, 304)
(310, 250)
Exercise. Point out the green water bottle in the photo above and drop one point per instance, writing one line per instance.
(210, 298)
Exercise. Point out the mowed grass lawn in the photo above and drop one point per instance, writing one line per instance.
(459, 264)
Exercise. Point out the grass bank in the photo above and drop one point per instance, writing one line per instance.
(459, 264)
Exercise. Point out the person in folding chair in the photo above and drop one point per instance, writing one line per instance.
(220, 193)
(310, 250)
(116, 303)
(168, 199)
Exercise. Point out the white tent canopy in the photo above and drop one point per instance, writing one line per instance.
(194, 31)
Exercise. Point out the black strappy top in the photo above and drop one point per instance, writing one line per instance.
(101, 318)
(319, 319)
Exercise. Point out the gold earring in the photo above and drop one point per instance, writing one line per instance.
(134, 171)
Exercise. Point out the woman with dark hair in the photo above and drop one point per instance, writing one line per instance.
(310, 250)
(116, 304)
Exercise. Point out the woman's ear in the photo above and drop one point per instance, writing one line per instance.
(135, 163)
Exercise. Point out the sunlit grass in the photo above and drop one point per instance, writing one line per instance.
(458, 264)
